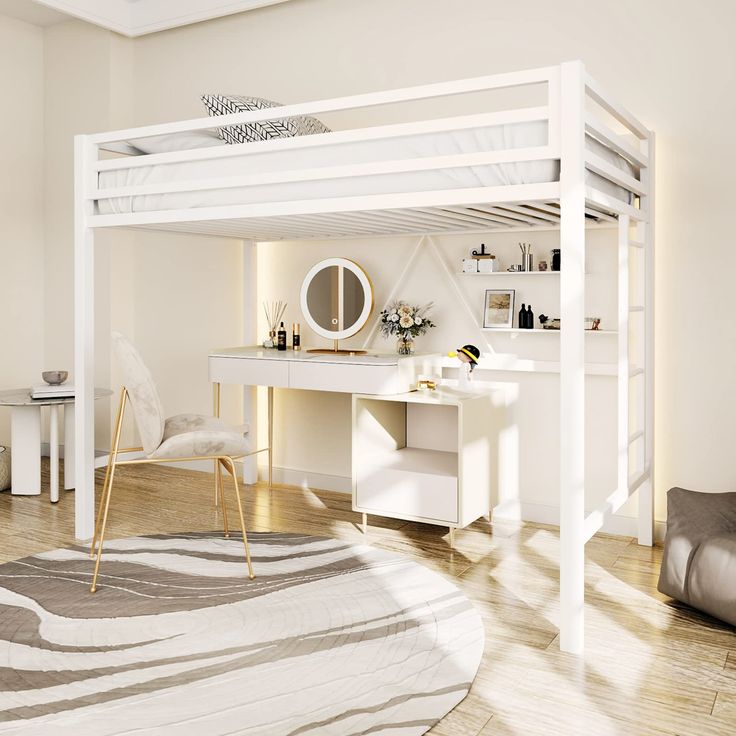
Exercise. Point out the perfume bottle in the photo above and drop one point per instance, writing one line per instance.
(281, 338)
(556, 259)
(296, 340)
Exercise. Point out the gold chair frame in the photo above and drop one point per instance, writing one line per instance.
(226, 461)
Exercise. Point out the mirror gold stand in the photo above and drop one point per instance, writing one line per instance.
(336, 300)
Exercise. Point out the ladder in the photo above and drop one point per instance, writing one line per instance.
(635, 431)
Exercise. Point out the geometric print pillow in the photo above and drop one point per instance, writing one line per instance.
(261, 130)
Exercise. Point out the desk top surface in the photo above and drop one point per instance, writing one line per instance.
(372, 357)
(447, 393)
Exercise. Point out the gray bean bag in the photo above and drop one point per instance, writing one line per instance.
(699, 562)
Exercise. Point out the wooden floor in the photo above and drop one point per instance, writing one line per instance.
(650, 667)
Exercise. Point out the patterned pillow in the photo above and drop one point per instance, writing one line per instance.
(262, 130)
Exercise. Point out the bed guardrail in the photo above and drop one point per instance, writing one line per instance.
(548, 76)
(602, 205)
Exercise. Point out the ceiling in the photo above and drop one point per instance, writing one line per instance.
(128, 17)
(31, 12)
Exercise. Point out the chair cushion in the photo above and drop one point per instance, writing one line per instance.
(137, 379)
(196, 435)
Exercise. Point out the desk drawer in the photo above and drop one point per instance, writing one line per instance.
(391, 492)
(249, 371)
(352, 379)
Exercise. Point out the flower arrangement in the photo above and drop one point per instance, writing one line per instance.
(405, 322)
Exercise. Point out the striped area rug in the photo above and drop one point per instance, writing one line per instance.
(330, 638)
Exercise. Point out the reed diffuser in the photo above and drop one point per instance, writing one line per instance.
(274, 314)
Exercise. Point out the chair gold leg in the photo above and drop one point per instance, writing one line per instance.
(217, 488)
(105, 510)
(270, 437)
(231, 468)
(93, 546)
(216, 413)
(114, 445)
(221, 492)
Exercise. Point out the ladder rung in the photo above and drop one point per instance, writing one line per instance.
(636, 372)
(637, 479)
(636, 308)
(636, 244)
(636, 436)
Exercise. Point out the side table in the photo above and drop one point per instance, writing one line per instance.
(25, 440)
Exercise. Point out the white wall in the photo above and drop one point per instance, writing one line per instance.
(85, 82)
(174, 296)
(675, 70)
(21, 208)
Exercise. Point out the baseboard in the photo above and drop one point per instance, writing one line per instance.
(100, 455)
(306, 479)
(281, 476)
(625, 526)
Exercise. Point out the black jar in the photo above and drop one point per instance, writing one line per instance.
(555, 259)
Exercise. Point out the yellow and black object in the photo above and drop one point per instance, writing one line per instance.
(467, 354)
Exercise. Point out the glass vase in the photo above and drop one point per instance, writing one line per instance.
(405, 346)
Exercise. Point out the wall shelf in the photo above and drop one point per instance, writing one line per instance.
(537, 331)
(509, 273)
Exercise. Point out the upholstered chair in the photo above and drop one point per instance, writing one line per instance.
(699, 560)
(179, 438)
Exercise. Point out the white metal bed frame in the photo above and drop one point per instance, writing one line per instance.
(568, 204)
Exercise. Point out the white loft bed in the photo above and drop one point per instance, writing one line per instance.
(517, 169)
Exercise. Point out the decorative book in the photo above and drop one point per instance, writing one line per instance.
(44, 391)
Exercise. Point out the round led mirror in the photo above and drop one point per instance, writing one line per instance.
(336, 298)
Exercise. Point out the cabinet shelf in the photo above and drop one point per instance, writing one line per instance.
(419, 460)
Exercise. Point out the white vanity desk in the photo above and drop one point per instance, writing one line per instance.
(378, 372)
(422, 456)
(416, 456)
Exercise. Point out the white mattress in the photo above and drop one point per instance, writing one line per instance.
(499, 137)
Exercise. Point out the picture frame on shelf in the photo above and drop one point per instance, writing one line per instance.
(498, 309)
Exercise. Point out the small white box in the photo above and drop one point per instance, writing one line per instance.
(470, 265)
(487, 265)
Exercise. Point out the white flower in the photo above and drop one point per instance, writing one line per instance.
(417, 320)
(406, 321)
(394, 317)
(405, 310)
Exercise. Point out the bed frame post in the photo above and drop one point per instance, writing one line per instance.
(624, 362)
(645, 233)
(84, 349)
(572, 357)
(250, 337)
